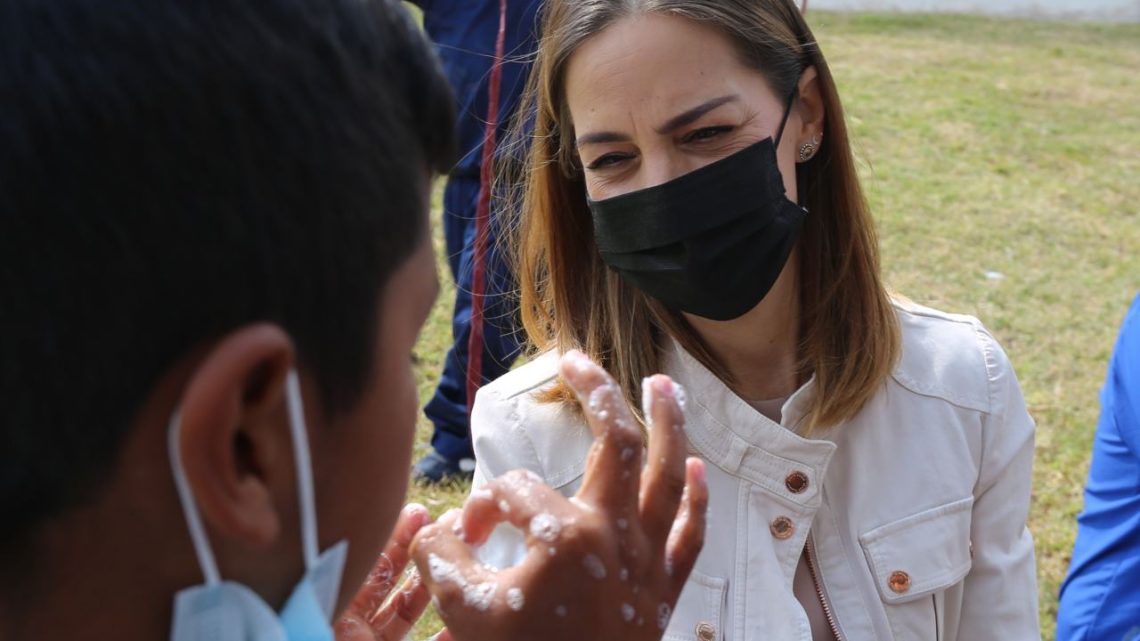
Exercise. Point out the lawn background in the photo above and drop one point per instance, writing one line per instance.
(1002, 161)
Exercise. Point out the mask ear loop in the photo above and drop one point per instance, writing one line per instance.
(206, 560)
(304, 469)
(198, 536)
(784, 122)
(787, 114)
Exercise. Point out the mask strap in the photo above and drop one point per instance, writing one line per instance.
(787, 114)
(193, 519)
(304, 469)
(301, 457)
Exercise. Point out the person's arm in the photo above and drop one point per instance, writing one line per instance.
(1000, 596)
(1125, 379)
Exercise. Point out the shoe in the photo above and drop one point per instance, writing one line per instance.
(436, 468)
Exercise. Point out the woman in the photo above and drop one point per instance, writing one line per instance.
(692, 207)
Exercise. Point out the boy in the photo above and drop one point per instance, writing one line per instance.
(215, 264)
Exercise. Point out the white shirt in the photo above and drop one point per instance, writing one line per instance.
(916, 507)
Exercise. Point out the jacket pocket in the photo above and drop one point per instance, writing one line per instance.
(699, 611)
(914, 560)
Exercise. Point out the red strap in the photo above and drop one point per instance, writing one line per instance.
(482, 217)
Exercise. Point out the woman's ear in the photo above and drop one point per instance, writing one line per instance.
(234, 434)
(811, 108)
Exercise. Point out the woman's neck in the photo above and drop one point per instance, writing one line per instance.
(759, 349)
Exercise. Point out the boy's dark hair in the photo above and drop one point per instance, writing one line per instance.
(171, 170)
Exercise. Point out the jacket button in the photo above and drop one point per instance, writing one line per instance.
(706, 631)
(796, 482)
(900, 582)
(782, 528)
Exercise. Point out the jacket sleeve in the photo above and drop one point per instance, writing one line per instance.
(501, 445)
(1124, 377)
(1000, 592)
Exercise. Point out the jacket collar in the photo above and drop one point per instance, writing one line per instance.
(731, 434)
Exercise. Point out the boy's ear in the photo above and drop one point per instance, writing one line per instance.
(234, 436)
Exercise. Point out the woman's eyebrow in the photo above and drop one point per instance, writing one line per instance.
(674, 123)
(601, 137)
(692, 115)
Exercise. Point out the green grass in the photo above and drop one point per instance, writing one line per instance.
(987, 146)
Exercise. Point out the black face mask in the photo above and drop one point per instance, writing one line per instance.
(711, 242)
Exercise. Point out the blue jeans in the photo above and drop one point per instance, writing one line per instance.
(447, 409)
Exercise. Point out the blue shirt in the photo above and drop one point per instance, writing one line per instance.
(1100, 599)
(464, 33)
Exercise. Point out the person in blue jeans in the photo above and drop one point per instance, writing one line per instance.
(1100, 598)
(464, 33)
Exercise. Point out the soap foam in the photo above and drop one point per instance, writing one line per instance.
(545, 527)
(475, 595)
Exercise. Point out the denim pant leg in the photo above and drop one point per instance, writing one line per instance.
(447, 409)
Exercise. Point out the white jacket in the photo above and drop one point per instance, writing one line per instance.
(916, 507)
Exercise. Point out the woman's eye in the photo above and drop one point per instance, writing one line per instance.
(706, 133)
(607, 160)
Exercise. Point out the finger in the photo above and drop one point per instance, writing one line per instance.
(391, 562)
(520, 498)
(611, 479)
(413, 517)
(663, 479)
(352, 628)
(454, 577)
(397, 616)
(687, 536)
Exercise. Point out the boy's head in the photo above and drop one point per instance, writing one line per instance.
(194, 198)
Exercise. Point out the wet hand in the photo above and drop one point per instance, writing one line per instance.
(608, 563)
(381, 610)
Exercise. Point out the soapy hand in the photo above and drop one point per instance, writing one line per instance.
(608, 563)
(382, 611)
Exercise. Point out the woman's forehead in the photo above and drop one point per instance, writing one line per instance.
(647, 47)
(654, 64)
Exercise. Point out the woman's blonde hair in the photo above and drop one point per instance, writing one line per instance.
(569, 299)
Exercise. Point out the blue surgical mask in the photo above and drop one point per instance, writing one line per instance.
(220, 610)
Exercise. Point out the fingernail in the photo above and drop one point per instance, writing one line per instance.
(576, 364)
(602, 400)
(481, 494)
(418, 513)
(647, 400)
(680, 394)
(698, 470)
(664, 386)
